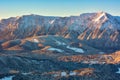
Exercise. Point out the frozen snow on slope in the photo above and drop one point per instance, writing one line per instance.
(118, 71)
(76, 49)
(51, 22)
(35, 40)
(7, 78)
(101, 16)
(55, 49)
(93, 62)
(63, 74)
(26, 73)
(72, 73)
(60, 43)
(101, 52)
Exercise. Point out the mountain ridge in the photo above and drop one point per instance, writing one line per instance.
(90, 28)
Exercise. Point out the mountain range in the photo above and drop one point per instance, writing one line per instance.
(100, 29)
(84, 47)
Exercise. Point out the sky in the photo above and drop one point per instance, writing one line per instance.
(12, 8)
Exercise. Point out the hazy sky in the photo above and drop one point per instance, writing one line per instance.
(9, 8)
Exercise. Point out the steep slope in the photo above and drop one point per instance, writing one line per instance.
(100, 29)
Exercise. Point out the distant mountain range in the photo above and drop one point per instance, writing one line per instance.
(99, 30)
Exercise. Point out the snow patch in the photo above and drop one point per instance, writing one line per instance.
(118, 71)
(72, 73)
(100, 17)
(35, 40)
(76, 49)
(101, 52)
(60, 43)
(7, 78)
(86, 62)
(55, 49)
(26, 73)
(51, 22)
(63, 74)
(56, 75)
(94, 62)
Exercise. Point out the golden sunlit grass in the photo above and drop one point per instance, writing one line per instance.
(93, 59)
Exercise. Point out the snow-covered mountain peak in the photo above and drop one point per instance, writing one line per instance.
(101, 17)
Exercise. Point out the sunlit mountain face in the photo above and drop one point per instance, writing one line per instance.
(84, 47)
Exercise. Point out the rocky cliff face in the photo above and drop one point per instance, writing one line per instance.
(100, 29)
